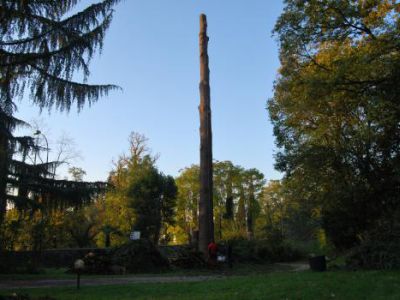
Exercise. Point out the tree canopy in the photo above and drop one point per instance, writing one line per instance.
(336, 111)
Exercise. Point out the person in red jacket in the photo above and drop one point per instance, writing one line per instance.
(212, 254)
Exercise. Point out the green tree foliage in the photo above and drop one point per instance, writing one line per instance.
(253, 181)
(143, 198)
(152, 197)
(76, 173)
(335, 111)
(241, 212)
(188, 184)
(226, 182)
(283, 217)
(43, 229)
(272, 208)
(226, 177)
(82, 226)
(37, 217)
(107, 231)
(42, 46)
(236, 201)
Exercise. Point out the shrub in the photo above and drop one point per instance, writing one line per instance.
(379, 249)
(244, 251)
(97, 263)
(188, 258)
(10, 263)
(281, 252)
(264, 251)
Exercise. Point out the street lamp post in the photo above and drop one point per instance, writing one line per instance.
(79, 265)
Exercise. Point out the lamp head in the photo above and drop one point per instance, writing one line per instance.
(79, 264)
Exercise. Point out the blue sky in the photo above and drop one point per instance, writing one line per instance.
(151, 51)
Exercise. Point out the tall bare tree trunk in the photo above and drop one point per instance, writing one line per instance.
(206, 222)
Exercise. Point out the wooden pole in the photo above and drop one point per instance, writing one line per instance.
(206, 222)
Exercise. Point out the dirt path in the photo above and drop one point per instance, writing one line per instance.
(296, 267)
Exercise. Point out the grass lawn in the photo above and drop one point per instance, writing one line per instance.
(239, 269)
(44, 274)
(280, 285)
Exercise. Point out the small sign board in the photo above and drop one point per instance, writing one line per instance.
(221, 258)
(135, 235)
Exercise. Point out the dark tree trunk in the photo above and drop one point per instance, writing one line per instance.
(241, 213)
(108, 240)
(195, 213)
(229, 201)
(250, 213)
(4, 155)
(206, 222)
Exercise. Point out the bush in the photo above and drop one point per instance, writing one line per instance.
(264, 251)
(97, 263)
(10, 263)
(139, 256)
(187, 258)
(132, 257)
(282, 252)
(244, 250)
(379, 249)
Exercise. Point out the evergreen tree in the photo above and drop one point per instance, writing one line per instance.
(152, 196)
(241, 211)
(42, 45)
(253, 182)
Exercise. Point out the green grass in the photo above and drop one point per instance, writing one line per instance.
(281, 285)
(43, 274)
(239, 269)
(48, 274)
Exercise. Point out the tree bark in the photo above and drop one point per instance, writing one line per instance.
(206, 222)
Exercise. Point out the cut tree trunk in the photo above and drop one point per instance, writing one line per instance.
(206, 222)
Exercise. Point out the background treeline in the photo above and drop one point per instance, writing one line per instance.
(256, 217)
(163, 209)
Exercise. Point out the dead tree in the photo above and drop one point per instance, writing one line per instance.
(206, 222)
